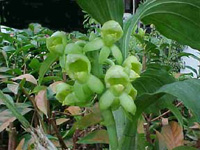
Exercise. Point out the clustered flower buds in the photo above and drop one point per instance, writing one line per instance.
(116, 90)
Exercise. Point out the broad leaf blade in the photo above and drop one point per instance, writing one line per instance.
(103, 10)
(176, 19)
(187, 92)
(99, 136)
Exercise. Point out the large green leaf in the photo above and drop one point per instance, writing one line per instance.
(186, 91)
(103, 10)
(176, 19)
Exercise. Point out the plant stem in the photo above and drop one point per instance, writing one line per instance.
(128, 142)
(111, 128)
(60, 139)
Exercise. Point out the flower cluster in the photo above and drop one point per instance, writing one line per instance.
(116, 90)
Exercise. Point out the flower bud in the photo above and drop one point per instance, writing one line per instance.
(111, 32)
(56, 43)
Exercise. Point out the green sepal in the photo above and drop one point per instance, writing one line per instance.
(62, 90)
(94, 45)
(127, 103)
(73, 48)
(56, 43)
(104, 54)
(117, 54)
(106, 100)
(133, 63)
(95, 84)
(130, 90)
(82, 91)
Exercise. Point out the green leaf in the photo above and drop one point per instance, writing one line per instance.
(152, 79)
(175, 19)
(176, 113)
(45, 65)
(103, 10)
(7, 116)
(14, 111)
(185, 148)
(186, 91)
(34, 64)
(99, 136)
(91, 119)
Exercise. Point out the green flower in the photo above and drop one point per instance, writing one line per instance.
(133, 63)
(116, 75)
(57, 42)
(111, 32)
(62, 90)
(78, 67)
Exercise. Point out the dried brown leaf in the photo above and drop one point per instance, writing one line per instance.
(28, 78)
(21, 144)
(7, 117)
(53, 86)
(74, 110)
(13, 87)
(41, 101)
(61, 121)
(172, 135)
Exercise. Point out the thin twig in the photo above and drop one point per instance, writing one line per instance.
(60, 139)
(32, 99)
(12, 137)
(146, 127)
(165, 113)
